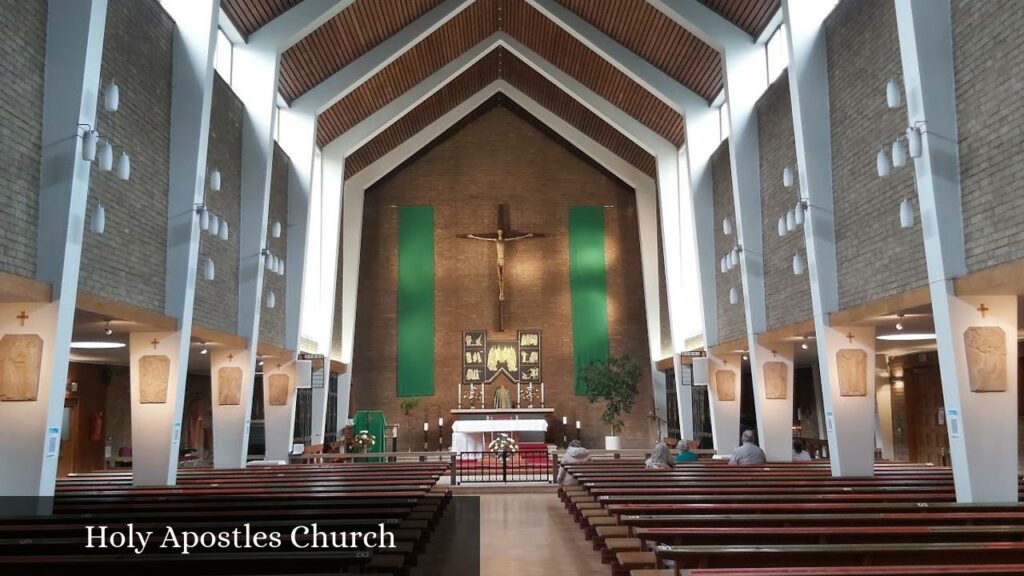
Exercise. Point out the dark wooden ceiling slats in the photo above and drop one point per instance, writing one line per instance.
(344, 38)
(251, 15)
(437, 105)
(447, 43)
(561, 49)
(654, 37)
(752, 16)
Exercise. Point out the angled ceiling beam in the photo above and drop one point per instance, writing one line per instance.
(338, 85)
(702, 22)
(283, 32)
(658, 83)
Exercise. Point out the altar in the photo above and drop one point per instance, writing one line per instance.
(473, 429)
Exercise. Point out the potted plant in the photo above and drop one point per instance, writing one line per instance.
(408, 405)
(614, 382)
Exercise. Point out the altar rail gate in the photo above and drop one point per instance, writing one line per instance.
(505, 467)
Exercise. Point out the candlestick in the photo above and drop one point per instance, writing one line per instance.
(565, 420)
(426, 427)
(577, 424)
(440, 422)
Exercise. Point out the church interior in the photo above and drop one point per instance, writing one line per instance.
(627, 287)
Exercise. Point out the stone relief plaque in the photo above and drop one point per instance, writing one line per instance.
(775, 380)
(21, 358)
(229, 386)
(725, 385)
(279, 388)
(986, 358)
(853, 372)
(154, 374)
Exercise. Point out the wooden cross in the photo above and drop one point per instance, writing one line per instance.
(500, 237)
(231, 357)
(278, 365)
(22, 317)
(983, 309)
(849, 336)
(154, 343)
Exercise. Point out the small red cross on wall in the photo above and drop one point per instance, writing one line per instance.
(983, 309)
(154, 343)
(849, 336)
(22, 317)
(231, 357)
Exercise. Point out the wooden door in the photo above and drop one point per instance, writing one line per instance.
(926, 425)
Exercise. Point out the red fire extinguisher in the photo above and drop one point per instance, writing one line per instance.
(96, 427)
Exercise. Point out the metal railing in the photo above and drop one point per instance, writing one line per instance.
(505, 467)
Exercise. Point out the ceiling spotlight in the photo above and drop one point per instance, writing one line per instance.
(899, 321)
(892, 94)
(745, 357)
(804, 344)
(108, 331)
(204, 351)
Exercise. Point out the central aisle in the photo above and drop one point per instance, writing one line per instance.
(533, 535)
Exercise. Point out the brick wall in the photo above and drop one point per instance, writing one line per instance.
(876, 257)
(22, 60)
(732, 321)
(272, 320)
(498, 158)
(127, 263)
(787, 296)
(216, 304)
(988, 60)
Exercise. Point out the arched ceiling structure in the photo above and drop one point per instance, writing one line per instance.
(366, 24)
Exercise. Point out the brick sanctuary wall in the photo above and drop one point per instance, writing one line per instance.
(988, 61)
(216, 304)
(272, 320)
(787, 296)
(128, 262)
(498, 158)
(876, 258)
(22, 61)
(732, 320)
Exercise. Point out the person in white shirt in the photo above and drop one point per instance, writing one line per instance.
(747, 452)
(799, 454)
(575, 454)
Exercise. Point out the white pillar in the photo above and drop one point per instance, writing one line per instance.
(232, 373)
(725, 376)
(157, 394)
(73, 55)
(298, 140)
(773, 399)
(848, 392)
(280, 384)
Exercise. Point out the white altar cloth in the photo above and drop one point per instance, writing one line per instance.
(468, 435)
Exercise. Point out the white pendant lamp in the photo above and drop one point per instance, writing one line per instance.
(787, 177)
(899, 154)
(734, 257)
(914, 142)
(99, 219)
(106, 162)
(798, 264)
(799, 213)
(214, 225)
(734, 296)
(89, 141)
(275, 230)
(204, 219)
(790, 221)
(882, 163)
(892, 94)
(271, 299)
(215, 180)
(282, 267)
(906, 214)
(209, 269)
(223, 232)
(782, 226)
(111, 97)
(722, 267)
(124, 167)
(269, 261)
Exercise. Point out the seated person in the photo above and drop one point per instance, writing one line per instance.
(575, 454)
(684, 454)
(660, 457)
(747, 452)
(799, 454)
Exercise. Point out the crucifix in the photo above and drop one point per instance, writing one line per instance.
(22, 317)
(983, 309)
(155, 342)
(502, 236)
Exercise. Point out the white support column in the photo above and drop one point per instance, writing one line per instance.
(332, 170)
(73, 55)
(724, 389)
(280, 384)
(979, 425)
(232, 373)
(702, 138)
(157, 394)
(773, 400)
(298, 140)
(195, 37)
(847, 355)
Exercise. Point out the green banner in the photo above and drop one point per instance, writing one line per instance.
(415, 301)
(589, 287)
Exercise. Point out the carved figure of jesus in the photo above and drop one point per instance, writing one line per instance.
(499, 244)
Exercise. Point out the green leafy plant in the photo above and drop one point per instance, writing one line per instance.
(408, 405)
(614, 382)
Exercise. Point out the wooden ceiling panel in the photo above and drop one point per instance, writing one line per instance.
(251, 15)
(471, 81)
(561, 49)
(343, 39)
(448, 42)
(540, 89)
(654, 37)
(752, 16)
